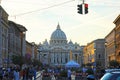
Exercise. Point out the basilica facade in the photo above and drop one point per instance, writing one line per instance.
(58, 51)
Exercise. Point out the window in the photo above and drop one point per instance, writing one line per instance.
(99, 56)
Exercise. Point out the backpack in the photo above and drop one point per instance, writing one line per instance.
(30, 73)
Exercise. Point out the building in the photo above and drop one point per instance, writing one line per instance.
(94, 53)
(35, 51)
(31, 51)
(117, 38)
(16, 39)
(113, 43)
(85, 55)
(59, 51)
(110, 47)
(3, 37)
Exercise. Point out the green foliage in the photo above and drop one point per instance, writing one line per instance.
(88, 64)
(90, 71)
(98, 63)
(83, 65)
(19, 60)
(79, 70)
(113, 63)
(36, 62)
(63, 73)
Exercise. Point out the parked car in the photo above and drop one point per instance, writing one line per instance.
(113, 74)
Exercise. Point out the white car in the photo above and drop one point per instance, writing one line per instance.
(113, 74)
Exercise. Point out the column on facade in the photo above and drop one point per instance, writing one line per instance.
(59, 58)
(77, 57)
(68, 56)
(73, 56)
(63, 58)
(52, 58)
(55, 58)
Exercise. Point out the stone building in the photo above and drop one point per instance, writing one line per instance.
(110, 47)
(94, 53)
(3, 37)
(16, 40)
(113, 43)
(117, 38)
(59, 51)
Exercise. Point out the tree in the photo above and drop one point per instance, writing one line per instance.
(113, 63)
(98, 63)
(19, 60)
(37, 62)
(89, 64)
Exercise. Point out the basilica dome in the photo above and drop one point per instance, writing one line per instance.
(58, 34)
(58, 37)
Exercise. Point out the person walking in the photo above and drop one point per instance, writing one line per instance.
(1, 74)
(69, 74)
(16, 74)
(73, 75)
(34, 73)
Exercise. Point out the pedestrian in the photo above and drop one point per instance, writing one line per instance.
(11, 74)
(27, 73)
(24, 74)
(1, 74)
(34, 73)
(69, 74)
(30, 73)
(16, 74)
(73, 75)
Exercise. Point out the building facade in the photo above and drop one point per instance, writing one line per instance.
(29, 51)
(113, 43)
(110, 47)
(3, 37)
(94, 53)
(117, 38)
(59, 51)
(15, 39)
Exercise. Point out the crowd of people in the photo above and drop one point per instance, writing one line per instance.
(16, 73)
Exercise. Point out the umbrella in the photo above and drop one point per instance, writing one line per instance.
(72, 64)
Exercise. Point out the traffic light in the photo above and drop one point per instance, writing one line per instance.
(80, 9)
(86, 8)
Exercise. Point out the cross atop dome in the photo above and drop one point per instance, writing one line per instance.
(58, 26)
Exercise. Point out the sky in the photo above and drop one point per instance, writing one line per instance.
(41, 18)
